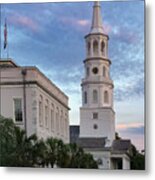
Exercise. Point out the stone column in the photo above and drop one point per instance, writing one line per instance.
(126, 163)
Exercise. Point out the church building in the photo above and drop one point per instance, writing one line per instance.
(97, 115)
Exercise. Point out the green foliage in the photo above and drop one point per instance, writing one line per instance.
(117, 136)
(137, 160)
(7, 141)
(18, 150)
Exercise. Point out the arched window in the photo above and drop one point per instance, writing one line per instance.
(106, 97)
(57, 120)
(88, 46)
(46, 115)
(102, 47)
(87, 71)
(41, 111)
(52, 117)
(104, 71)
(85, 97)
(95, 47)
(95, 96)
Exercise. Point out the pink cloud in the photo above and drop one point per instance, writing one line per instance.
(78, 24)
(24, 21)
(124, 126)
(83, 22)
(107, 28)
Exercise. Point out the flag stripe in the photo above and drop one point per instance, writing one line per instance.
(5, 35)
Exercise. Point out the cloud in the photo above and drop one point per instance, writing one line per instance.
(130, 127)
(24, 22)
(77, 24)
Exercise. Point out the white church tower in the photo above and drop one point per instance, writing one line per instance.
(97, 117)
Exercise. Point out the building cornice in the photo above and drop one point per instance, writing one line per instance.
(100, 34)
(98, 82)
(34, 83)
(96, 59)
(106, 108)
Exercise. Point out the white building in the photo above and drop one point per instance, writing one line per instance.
(33, 101)
(97, 116)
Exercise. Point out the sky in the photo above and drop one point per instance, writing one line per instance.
(51, 37)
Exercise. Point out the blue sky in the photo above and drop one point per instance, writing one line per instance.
(51, 37)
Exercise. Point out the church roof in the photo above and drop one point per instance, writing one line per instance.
(121, 145)
(74, 133)
(92, 143)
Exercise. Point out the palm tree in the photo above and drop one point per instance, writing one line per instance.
(7, 141)
(52, 151)
(39, 152)
(23, 154)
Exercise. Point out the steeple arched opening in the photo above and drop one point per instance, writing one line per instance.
(102, 47)
(104, 71)
(95, 96)
(106, 97)
(95, 47)
(85, 97)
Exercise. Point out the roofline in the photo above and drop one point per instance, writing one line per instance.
(37, 69)
(9, 60)
(38, 84)
(96, 34)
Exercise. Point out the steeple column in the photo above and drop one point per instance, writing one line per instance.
(99, 48)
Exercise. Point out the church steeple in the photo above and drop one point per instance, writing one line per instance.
(96, 113)
(97, 25)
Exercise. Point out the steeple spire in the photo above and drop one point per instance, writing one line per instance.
(97, 25)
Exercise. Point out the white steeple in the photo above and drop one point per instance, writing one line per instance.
(97, 25)
(97, 114)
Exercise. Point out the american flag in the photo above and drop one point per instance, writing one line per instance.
(5, 35)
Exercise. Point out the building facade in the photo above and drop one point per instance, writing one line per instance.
(33, 101)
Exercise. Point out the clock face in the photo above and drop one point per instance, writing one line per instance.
(95, 70)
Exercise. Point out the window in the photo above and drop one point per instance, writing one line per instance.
(18, 110)
(46, 116)
(85, 97)
(57, 121)
(104, 71)
(52, 120)
(95, 96)
(95, 126)
(41, 111)
(95, 47)
(61, 124)
(95, 115)
(106, 97)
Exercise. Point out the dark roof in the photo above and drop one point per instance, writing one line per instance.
(121, 145)
(92, 143)
(74, 133)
